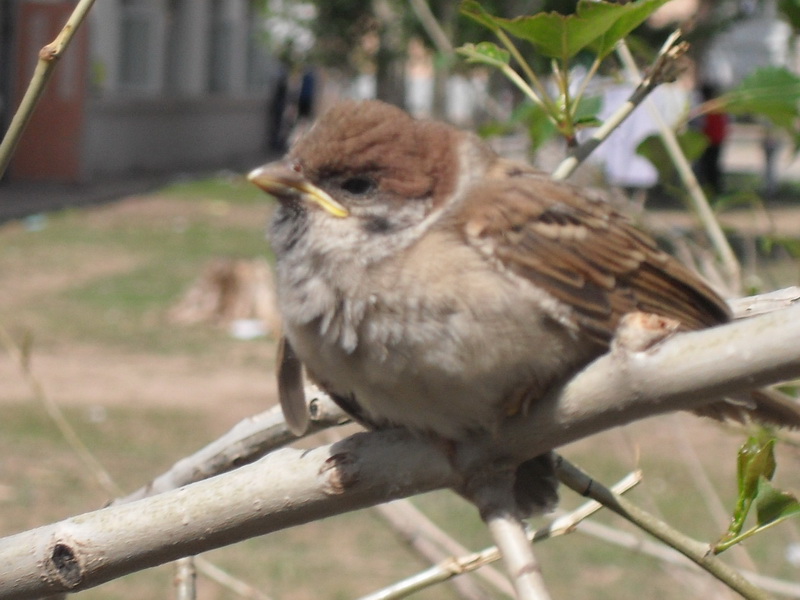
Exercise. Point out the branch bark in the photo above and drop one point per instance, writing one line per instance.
(289, 487)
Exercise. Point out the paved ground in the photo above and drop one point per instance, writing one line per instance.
(21, 199)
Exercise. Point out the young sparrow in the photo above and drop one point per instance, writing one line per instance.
(428, 283)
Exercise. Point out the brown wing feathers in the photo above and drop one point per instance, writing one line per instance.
(586, 255)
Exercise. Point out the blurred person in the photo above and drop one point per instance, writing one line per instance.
(714, 126)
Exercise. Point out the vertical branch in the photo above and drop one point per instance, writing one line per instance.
(45, 66)
(490, 488)
(508, 532)
(185, 579)
(699, 201)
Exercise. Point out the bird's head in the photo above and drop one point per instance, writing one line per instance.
(370, 166)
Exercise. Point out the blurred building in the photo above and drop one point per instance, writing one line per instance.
(758, 38)
(147, 86)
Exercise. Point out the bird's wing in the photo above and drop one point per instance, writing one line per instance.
(584, 254)
(290, 388)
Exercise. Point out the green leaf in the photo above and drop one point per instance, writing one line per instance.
(532, 117)
(540, 127)
(773, 92)
(652, 148)
(755, 465)
(595, 25)
(563, 36)
(773, 505)
(756, 460)
(588, 108)
(768, 243)
(475, 11)
(486, 53)
(630, 17)
(791, 10)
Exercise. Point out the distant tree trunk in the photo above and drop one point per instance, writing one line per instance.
(446, 13)
(390, 61)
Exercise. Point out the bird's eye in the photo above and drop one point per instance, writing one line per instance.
(358, 185)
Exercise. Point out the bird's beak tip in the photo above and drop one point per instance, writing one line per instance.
(256, 176)
(278, 184)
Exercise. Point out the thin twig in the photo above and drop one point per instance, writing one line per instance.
(418, 532)
(185, 579)
(441, 40)
(750, 306)
(226, 580)
(435, 32)
(429, 529)
(698, 552)
(74, 441)
(699, 473)
(490, 487)
(698, 198)
(541, 90)
(45, 66)
(669, 53)
(477, 561)
(585, 83)
(636, 542)
(247, 441)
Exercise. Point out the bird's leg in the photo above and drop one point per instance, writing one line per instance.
(492, 488)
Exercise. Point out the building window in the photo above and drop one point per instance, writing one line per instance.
(137, 40)
(258, 61)
(221, 47)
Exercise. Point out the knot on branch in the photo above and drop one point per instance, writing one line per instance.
(65, 565)
(640, 331)
(668, 67)
(49, 52)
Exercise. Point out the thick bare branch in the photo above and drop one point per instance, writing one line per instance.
(751, 306)
(246, 442)
(286, 488)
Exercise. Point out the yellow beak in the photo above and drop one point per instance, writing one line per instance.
(280, 181)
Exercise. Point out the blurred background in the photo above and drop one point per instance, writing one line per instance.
(135, 291)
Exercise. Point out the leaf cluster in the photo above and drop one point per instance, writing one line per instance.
(755, 469)
(592, 28)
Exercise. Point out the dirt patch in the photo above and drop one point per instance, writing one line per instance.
(88, 375)
(17, 289)
(236, 379)
(159, 210)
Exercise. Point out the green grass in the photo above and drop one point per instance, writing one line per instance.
(163, 255)
(234, 189)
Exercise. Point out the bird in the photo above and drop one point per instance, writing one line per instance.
(426, 282)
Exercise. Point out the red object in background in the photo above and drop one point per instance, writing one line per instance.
(51, 144)
(715, 128)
